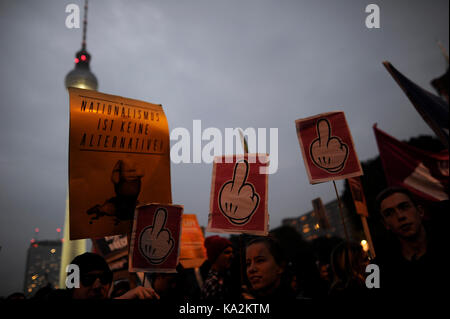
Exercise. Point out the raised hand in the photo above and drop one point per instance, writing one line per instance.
(328, 152)
(237, 198)
(156, 242)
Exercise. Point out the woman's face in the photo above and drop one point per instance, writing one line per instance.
(263, 272)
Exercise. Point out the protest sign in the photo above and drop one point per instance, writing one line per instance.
(239, 193)
(359, 199)
(327, 147)
(111, 247)
(155, 239)
(192, 252)
(118, 157)
(358, 196)
(119, 267)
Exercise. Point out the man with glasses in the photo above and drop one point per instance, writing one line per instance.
(96, 281)
(95, 277)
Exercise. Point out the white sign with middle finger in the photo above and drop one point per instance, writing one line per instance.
(237, 198)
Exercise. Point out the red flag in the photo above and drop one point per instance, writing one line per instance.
(423, 173)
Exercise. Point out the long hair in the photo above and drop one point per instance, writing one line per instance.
(347, 262)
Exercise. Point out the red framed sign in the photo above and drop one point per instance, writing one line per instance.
(239, 193)
(155, 240)
(327, 147)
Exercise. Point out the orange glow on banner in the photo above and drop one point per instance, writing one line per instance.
(193, 252)
(358, 196)
(119, 157)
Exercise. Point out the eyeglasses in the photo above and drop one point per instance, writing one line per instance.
(89, 279)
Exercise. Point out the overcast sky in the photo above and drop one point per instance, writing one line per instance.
(234, 63)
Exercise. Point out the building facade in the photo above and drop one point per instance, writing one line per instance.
(327, 223)
(42, 268)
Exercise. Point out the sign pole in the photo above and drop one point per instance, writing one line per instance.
(241, 239)
(340, 212)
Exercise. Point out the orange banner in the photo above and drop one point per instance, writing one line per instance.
(119, 157)
(358, 196)
(193, 252)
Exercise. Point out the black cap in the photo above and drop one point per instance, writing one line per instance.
(90, 262)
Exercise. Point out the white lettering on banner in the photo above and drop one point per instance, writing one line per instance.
(117, 243)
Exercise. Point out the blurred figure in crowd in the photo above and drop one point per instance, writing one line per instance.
(301, 262)
(217, 285)
(266, 266)
(348, 263)
(323, 247)
(16, 296)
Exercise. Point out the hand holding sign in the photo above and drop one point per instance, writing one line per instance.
(237, 199)
(328, 152)
(156, 242)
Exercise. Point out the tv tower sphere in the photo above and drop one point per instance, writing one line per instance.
(81, 76)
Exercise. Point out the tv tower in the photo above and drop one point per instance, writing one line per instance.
(80, 77)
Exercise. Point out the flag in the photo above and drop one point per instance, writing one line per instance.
(432, 108)
(441, 85)
(423, 173)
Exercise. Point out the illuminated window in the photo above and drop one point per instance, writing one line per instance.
(306, 229)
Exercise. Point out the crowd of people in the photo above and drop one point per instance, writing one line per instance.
(262, 268)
